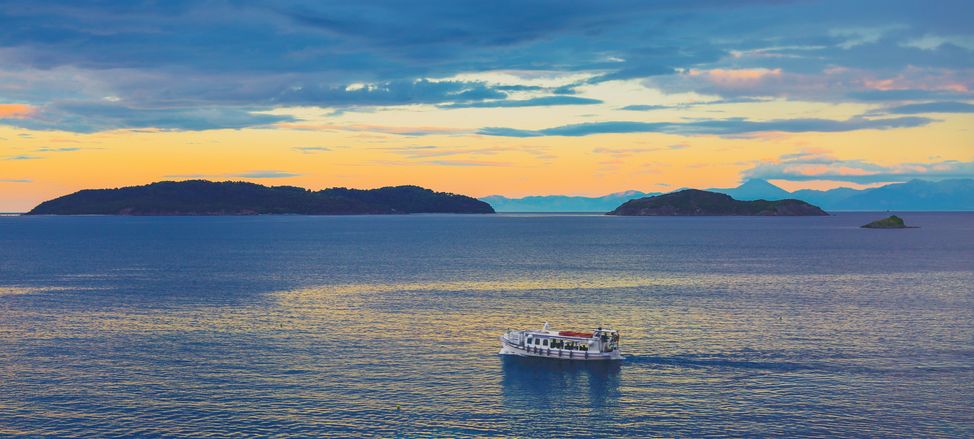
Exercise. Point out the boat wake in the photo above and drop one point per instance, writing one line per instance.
(717, 362)
(694, 362)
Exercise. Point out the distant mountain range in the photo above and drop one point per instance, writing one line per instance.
(201, 197)
(914, 195)
(563, 203)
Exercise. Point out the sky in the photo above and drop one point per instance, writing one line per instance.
(480, 98)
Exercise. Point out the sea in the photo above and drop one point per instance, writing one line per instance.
(388, 326)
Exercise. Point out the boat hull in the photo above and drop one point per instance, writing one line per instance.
(510, 348)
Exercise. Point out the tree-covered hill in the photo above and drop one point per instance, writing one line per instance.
(693, 202)
(202, 197)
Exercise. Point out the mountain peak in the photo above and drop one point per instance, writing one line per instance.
(755, 189)
(628, 193)
(758, 182)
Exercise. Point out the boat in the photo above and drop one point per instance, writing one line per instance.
(600, 344)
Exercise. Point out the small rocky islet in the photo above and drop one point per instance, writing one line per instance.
(891, 222)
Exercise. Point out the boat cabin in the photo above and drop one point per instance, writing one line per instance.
(601, 343)
(599, 340)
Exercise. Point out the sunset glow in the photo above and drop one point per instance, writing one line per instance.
(472, 102)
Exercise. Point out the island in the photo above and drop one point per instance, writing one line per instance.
(203, 197)
(892, 222)
(694, 202)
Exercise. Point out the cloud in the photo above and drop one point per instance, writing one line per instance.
(420, 91)
(824, 83)
(645, 107)
(147, 60)
(419, 153)
(581, 129)
(535, 102)
(14, 180)
(933, 107)
(818, 165)
(808, 154)
(721, 127)
(741, 126)
(736, 77)
(905, 95)
(508, 132)
(428, 151)
(929, 42)
(63, 149)
(15, 111)
(735, 100)
(23, 157)
(448, 163)
(265, 174)
(311, 149)
(627, 152)
(398, 130)
(465, 163)
(90, 117)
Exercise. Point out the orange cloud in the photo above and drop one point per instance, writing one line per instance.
(15, 111)
(809, 170)
(881, 84)
(956, 87)
(924, 79)
(735, 76)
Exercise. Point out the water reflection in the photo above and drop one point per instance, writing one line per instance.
(541, 383)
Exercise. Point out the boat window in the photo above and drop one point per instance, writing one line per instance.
(529, 341)
(544, 343)
(537, 341)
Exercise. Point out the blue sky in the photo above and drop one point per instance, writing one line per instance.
(468, 73)
(160, 58)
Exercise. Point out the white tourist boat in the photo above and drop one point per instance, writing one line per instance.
(600, 344)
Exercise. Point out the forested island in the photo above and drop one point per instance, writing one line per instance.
(202, 197)
(694, 202)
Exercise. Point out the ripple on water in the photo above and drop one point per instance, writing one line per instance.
(323, 327)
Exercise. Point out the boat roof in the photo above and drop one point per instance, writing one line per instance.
(570, 334)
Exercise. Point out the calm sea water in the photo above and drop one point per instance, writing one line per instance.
(294, 326)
